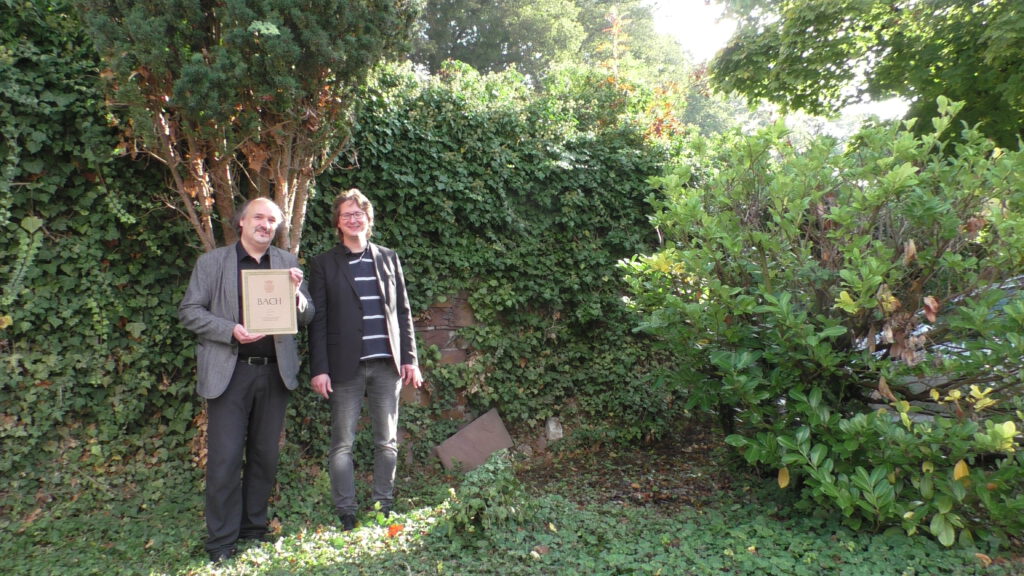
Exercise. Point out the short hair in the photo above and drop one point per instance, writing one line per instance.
(352, 194)
(240, 213)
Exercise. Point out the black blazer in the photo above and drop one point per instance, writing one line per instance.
(336, 332)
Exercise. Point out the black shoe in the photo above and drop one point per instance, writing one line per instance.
(218, 556)
(383, 509)
(348, 521)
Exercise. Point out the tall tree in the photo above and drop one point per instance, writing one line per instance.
(493, 35)
(240, 98)
(821, 56)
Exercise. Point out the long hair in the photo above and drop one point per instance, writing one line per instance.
(361, 200)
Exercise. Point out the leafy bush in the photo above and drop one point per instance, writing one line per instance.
(490, 500)
(800, 290)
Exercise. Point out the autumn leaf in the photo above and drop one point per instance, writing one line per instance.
(909, 252)
(883, 389)
(394, 529)
(974, 225)
(931, 308)
(886, 300)
(961, 470)
(783, 477)
(985, 560)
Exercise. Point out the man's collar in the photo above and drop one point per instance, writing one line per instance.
(242, 253)
(348, 251)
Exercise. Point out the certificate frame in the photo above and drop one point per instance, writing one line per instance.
(268, 302)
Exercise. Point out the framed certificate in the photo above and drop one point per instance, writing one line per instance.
(268, 302)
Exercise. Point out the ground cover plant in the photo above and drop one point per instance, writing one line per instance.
(678, 507)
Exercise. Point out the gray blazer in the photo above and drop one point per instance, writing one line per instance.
(210, 310)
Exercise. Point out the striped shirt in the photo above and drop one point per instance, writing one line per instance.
(375, 326)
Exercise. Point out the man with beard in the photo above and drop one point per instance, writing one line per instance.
(246, 378)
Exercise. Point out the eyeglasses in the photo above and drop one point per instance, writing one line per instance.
(350, 216)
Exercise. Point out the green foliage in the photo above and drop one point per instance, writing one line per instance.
(523, 204)
(240, 98)
(88, 322)
(556, 42)
(495, 35)
(490, 500)
(803, 289)
(488, 190)
(160, 532)
(878, 471)
(811, 55)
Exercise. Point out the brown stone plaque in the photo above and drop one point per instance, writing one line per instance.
(472, 445)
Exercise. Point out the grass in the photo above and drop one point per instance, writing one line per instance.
(675, 509)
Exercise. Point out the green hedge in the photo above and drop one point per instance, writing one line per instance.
(486, 191)
(93, 266)
(481, 185)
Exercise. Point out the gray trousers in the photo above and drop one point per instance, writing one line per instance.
(243, 434)
(378, 381)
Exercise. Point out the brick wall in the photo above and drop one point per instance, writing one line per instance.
(439, 326)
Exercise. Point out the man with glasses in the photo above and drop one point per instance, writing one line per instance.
(361, 343)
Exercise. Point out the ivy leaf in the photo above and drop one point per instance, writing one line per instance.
(30, 224)
(135, 329)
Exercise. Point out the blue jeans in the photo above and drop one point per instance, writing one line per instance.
(378, 381)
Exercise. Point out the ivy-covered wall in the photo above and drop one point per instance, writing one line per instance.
(485, 189)
(91, 265)
(488, 193)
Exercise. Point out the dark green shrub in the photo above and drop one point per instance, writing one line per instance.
(94, 367)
